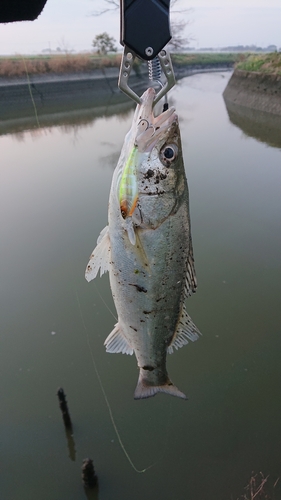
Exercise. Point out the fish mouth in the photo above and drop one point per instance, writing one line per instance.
(151, 129)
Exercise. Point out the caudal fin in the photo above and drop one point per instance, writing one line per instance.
(146, 389)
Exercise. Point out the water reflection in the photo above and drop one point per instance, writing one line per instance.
(53, 198)
(264, 127)
(92, 494)
(67, 121)
(70, 444)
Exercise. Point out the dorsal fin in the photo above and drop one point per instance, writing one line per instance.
(185, 332)
(190, 281)
(100, 258)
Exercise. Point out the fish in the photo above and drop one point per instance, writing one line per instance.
(147, 248)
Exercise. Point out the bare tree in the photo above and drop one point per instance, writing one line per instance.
(179, 40)
(111, 5)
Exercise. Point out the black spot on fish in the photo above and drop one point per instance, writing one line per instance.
(139, 288)
(148, 367)
(149, 173)
(147, 312)
(133, 328)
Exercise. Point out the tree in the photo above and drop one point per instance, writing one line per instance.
(179, 41)
(104, 43)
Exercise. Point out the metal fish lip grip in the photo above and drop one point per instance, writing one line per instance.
(145, 31)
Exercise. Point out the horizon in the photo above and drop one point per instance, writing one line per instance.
(72, 27)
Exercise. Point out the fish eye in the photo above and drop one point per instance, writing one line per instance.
(169, 153)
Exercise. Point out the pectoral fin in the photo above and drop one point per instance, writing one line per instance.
(131, 230)
(100, 258)
(186, 331)
(116, 342)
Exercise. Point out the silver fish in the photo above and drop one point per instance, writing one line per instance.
(147, 248)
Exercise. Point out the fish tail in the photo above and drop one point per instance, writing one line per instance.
(147, 387)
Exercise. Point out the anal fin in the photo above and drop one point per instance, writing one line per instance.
(116, 342)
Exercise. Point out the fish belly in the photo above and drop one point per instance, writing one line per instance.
(147, 281)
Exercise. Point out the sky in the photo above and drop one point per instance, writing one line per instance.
(71, 25)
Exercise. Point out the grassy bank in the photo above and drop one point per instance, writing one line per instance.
(205, 58)
(263, 63)
(78, 63)
(67, 63)
(18, 66)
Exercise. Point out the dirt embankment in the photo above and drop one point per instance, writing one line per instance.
(252, 89)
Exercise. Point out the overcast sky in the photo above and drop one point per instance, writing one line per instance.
(69, 24)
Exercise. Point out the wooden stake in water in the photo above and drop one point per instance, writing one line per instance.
(64, 409)
(89, 476)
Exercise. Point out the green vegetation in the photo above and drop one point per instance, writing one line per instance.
(263, 63)
(104, 43)
(205, 58)
(17, 66)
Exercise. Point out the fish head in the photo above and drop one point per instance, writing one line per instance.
(150, 130)
(159, 162)
(151, 162)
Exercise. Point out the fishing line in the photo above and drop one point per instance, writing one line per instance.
(30, 91)
(102, 299)
(106, 399)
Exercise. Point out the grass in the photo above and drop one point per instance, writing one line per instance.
(68, 63)
(262, 63)
(12, 67)
(17, 66)
(258, 488)
(205, 58)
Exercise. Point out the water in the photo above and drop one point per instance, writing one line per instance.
(54, 190)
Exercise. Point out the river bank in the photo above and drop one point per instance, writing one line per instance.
(256, 90)
(58, 93)
(256, 83)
